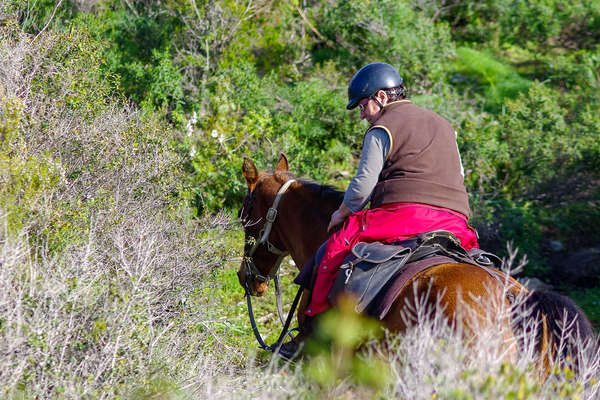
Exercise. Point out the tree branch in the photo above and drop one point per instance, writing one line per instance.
(47, 23)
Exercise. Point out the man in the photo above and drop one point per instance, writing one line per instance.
(410, 170)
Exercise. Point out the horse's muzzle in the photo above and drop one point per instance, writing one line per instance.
(255, 285)
(259, 289)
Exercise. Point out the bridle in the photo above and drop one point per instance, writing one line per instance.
(252, 272)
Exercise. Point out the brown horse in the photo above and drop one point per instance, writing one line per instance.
(299, 227)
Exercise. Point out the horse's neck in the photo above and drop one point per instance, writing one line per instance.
(305, 234)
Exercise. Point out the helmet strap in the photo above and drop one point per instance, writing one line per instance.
(379, 103)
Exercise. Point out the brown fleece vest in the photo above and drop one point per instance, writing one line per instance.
(423, 164)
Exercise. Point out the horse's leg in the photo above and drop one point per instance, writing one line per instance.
(304, 301)
(306, 279)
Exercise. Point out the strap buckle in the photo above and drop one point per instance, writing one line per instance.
(271, 215)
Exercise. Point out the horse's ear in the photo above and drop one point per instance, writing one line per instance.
(250, 172)
(282, 164)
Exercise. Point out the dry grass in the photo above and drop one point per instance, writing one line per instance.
(105, 283)
(103, 318)
(101, 259)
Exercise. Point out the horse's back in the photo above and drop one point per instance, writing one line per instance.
(458, 288)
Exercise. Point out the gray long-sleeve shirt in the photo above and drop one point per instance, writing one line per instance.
(376, 147)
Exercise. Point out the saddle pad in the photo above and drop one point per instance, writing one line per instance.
(376, 272)
(384, 302)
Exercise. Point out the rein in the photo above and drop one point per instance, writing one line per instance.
(284, 332)
(252, 272)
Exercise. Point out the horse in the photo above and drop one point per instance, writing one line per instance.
(283, 215)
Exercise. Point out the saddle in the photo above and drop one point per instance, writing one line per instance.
(372, 269)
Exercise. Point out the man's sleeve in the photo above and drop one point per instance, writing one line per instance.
(375, 150)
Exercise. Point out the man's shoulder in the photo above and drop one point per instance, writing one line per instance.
(413, 108)
(409, 110)
(421, 113)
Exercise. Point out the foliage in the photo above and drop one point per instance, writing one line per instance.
(431, 360)
(535, 140)
(123, 125)
(589, 300)
(549, 23)
(525, 163)
(106, 317)
(339, 334)
(253, 115)
(499, 80)
(139, 54)
(359, 32)
(34, 15)
(27, 181)
(98, 249)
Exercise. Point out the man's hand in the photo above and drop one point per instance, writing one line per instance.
(338, 217)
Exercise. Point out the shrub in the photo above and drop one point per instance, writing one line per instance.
(80, 151)
(27, 181)
(109, 315)
(360, 32)
(528, 24)
(138, 52)
(98, 247)
(256, 117)
(431, 359)
(33, 16)
(499, 80)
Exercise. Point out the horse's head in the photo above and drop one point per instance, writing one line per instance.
(263, 246)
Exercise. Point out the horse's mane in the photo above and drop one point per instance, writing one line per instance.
(326, 197)
(326, 193)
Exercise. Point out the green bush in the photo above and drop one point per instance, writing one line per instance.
(256, 117)
(120, 114)
(499, 80)
(33, 15)
(138, 54)
(77, 146)
(522, 165)
(360, 32)
(527, 23)
(27, 181)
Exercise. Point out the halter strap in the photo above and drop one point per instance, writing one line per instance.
(270, 218)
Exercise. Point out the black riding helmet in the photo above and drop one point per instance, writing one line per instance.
(369, 79)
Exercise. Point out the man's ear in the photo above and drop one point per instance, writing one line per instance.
(282, 164)
(250, 172)
(383, 97)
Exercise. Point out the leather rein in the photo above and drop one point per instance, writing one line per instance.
(252, 272)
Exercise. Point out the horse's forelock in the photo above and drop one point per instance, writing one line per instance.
(247, 205)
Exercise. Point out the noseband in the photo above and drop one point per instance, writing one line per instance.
(252, 272)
